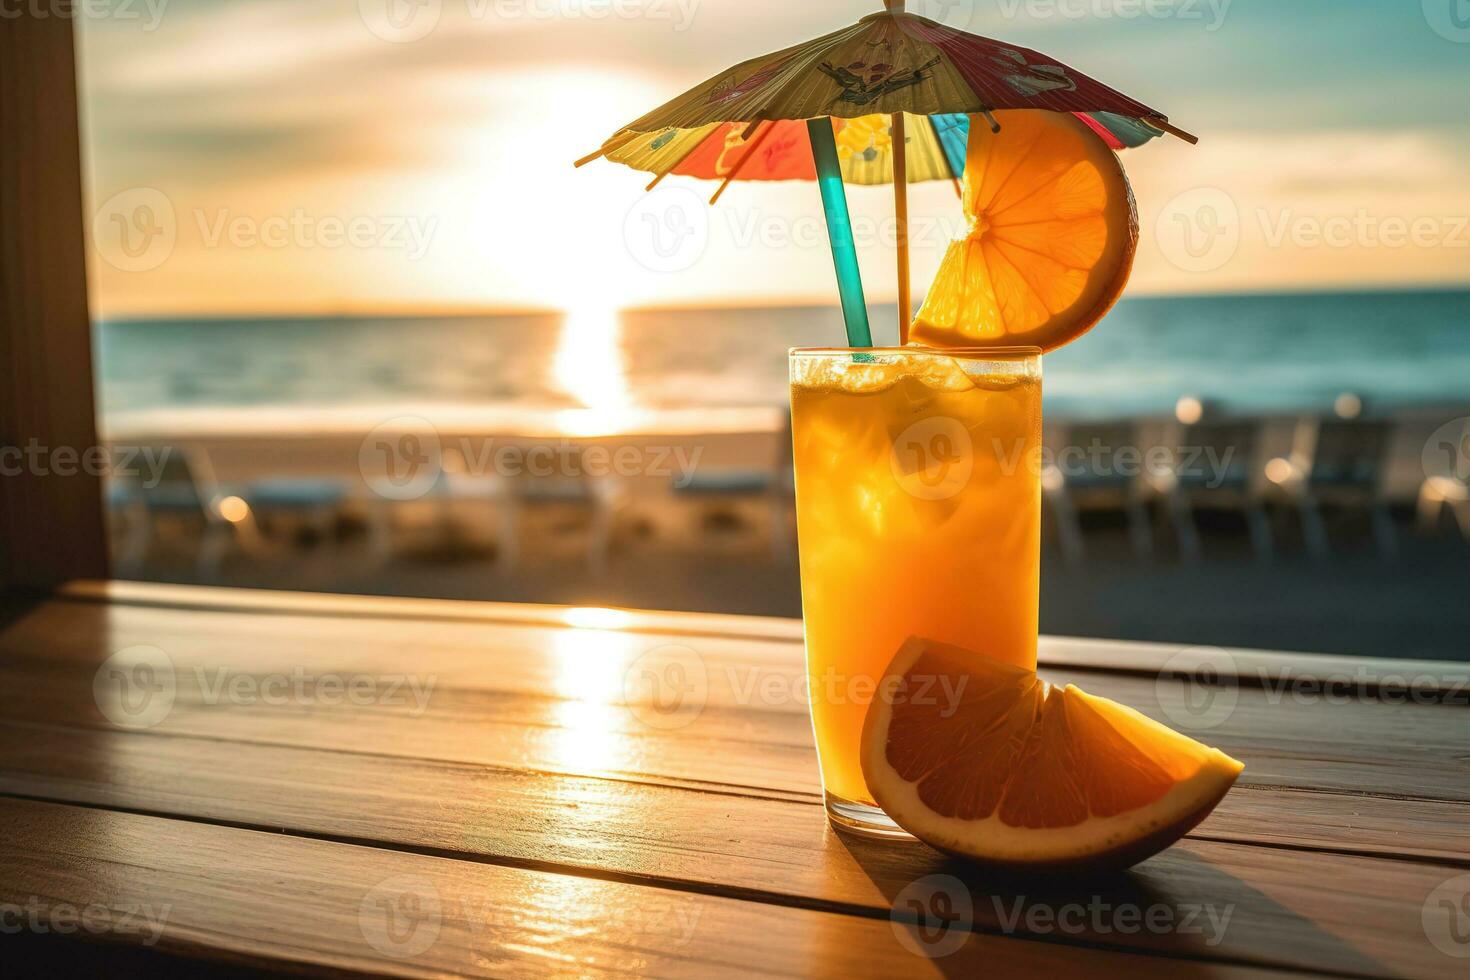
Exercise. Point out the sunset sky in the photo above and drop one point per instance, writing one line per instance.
(292, 159)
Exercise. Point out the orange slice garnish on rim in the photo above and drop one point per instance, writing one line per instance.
(1053, 233)
(1017, 773)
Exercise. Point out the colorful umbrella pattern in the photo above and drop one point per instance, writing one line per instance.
(893, 94)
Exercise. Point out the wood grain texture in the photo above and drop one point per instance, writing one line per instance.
(319, 904)
(1057, 651)
(277, 602)
(542, 681)
(769, 851)
(55, 762)
(50, 513)
(529, 752)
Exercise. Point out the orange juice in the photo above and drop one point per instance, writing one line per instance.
(918, 505)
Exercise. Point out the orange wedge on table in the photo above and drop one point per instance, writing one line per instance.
(1052, 236)
(1014, 772)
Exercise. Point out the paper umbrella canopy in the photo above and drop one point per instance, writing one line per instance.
(887, 99)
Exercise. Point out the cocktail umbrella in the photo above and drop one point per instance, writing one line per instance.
(888, 99)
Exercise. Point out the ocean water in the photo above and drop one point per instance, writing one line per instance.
(1252, 354)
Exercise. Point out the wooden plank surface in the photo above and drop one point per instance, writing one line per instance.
(517, 709)
(527, 754)
(324, 904)
(728, 845)
(1056, 651)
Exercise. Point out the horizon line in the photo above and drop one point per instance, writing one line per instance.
(398, 312)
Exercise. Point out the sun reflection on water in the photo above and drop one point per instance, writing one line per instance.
(590, 367)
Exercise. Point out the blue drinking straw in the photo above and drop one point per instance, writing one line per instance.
(839, 232)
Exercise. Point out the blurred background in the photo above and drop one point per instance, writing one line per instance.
(361, 327)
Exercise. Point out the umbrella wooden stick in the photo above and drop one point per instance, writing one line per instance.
(839, 231)
(901, 213)
(694, 144)
(1158, 122)
(744, 159)
(616, 143)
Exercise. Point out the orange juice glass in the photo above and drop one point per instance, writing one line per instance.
(918, 505)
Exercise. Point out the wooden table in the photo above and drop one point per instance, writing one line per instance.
(277, 793)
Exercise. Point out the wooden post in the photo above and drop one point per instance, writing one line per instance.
(901, 212)
(51, 524)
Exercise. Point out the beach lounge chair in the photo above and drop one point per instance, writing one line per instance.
(601, 498)
(180, 496)
(1340, 464)
(1214, 466)
(454, 502)
(312, 503)
(705, 489)
(1095, 466)
(1449, 488)
(1441, 493)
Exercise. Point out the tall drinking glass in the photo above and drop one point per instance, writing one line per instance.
(918, 504)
